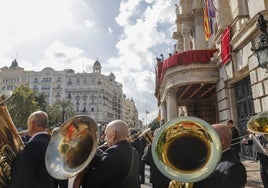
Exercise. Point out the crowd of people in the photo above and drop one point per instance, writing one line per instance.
(122, 155)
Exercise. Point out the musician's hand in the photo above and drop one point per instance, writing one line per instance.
(244, 141)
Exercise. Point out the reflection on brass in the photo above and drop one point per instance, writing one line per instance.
(72, 147)
(186, 149)
(10, 141)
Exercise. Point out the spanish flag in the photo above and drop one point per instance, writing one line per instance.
(206, 21)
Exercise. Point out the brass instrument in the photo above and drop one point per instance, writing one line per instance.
(72, 147)
(147, 135)
(186, 150)
(10, 141)
(258, 124)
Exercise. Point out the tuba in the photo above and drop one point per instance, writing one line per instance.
(186, 150)
(258, 125)
(147, 135)
(10, 141)
(72, 147)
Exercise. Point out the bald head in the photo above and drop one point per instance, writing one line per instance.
(116, 131)
(225, 135)
(37, 122)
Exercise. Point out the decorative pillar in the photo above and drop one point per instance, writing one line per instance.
(223, 14)
(172, 109)
(163, 112)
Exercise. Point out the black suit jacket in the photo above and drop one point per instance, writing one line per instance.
(230, 173)
(28, 168)
(113, 167)
(157, 178)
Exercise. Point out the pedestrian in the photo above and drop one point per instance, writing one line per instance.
(230, 171)
(28, 168)
(235, 144)
(259, 143)
(157, 178)
(118, 166)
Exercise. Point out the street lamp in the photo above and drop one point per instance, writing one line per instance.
(261, 48)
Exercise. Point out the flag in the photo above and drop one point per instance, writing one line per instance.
(209, 15)
(225, 45)
(206, 21)
(147, 112)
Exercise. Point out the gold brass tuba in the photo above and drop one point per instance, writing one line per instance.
(186, 150)
(72, 147)
(10, 141)
(258, 124)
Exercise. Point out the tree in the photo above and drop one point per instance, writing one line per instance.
(154, 124)
(41, 98)
(21, 104)
(66, 108)
(54, 114)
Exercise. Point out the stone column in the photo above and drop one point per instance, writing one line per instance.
(172, 109)
(223, 14)
(163, 112)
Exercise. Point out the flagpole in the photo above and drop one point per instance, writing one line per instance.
(146, 119)
(146, 112)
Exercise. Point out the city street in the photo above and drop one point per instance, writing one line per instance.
(253, 175)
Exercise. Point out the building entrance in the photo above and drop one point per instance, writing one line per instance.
(245, 109)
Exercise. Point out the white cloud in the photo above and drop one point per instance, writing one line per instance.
(127, 8)
(28, 19)
(58, 47)
(66, 34)
(136, 60)
(110, 31)
(89, 24)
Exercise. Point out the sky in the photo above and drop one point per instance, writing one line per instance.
(124, 36)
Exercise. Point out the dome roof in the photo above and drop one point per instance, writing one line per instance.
(97, 64)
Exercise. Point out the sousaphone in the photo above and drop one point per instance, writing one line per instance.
(72, 147)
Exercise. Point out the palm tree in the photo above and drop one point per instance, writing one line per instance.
(66, 107)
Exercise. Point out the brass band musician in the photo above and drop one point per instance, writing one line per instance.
(28, 169)
(118, 166)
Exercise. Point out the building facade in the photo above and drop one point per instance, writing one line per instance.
(213, 73)
(94, 94)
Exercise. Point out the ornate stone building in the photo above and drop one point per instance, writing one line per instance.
(94, 94)
(213, 73)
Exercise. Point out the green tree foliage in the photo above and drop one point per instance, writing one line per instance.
(41, 99)
(66, 108)
(21, 104)
(154, 124)
(54, 114)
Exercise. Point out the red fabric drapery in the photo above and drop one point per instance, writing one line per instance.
(183, 58)
(225, 45)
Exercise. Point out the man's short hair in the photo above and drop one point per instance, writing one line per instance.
(230, 121)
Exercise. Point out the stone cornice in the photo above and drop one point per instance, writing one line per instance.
(248, 32)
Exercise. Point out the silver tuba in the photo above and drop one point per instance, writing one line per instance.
(10, 141)
(186, 150)
(72, 147)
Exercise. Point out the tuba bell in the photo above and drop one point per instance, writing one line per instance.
(258, 125)
(10, 141)
(72, 147)
(186, 150)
